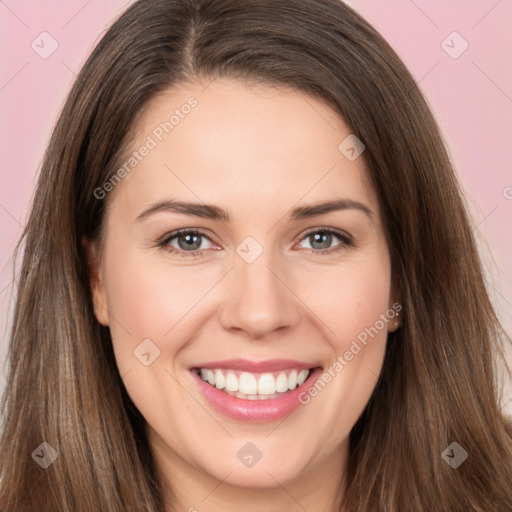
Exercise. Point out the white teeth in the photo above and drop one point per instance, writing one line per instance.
(247, 384)
(257, 386)
(302, 376)
(292, 379)
(266, 384)
(282, 383)
(231, 382)
(220, 381)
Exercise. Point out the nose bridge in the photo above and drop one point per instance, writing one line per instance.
(259, 302)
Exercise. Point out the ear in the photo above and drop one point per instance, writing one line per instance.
(99, 296)
(396, 322)
(395, 304)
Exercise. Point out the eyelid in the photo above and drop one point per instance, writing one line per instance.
(346, 240)
(324, 229)
(165, 239)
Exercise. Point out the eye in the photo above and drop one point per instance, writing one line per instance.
(187, 243)
(320, 240)
(191, 243)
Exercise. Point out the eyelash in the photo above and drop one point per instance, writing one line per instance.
(346, 241)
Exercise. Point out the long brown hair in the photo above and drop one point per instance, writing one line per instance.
(439, 381)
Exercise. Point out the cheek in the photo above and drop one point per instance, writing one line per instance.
(150, 313)
(362, 305)
(347, 299)
(362, 323)
(155, 301)
(352, 307)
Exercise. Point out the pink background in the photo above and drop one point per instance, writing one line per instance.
(471, 96)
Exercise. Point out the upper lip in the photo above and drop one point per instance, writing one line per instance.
(270, 365)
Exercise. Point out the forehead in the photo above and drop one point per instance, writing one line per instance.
(241, 146)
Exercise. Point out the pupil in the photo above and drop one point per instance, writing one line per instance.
(323, 238)
(190, 240)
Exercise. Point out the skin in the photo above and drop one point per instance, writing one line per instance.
(257, 152)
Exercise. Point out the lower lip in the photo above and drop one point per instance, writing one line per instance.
(256, 411)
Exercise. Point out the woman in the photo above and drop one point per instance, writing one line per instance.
(171, 350)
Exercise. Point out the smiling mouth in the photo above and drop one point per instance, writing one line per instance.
(252, 385)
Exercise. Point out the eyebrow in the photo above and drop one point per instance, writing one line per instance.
(209, 211)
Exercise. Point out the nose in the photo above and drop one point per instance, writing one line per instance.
(259, 299)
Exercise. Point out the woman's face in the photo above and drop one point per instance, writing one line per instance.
(252, 299)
